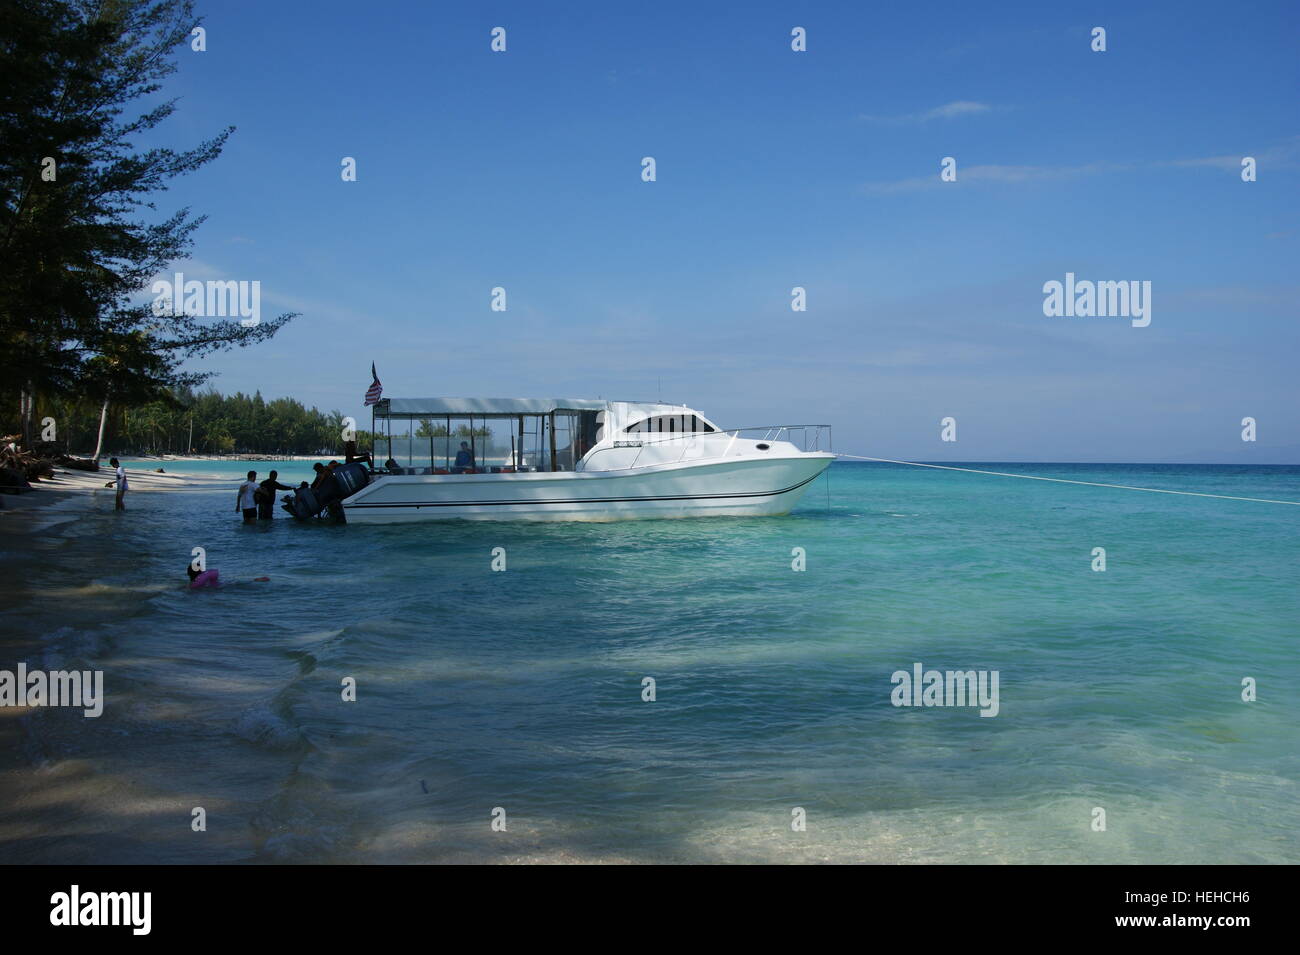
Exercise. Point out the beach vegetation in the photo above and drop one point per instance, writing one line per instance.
(82, 164)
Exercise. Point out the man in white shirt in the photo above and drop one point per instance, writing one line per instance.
(119, 480)
(246, 498)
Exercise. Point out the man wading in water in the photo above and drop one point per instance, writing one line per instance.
(246, 498)
(119, 480)
(266, 496)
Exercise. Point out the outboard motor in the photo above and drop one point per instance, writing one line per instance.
(301, 503)
(351, 478)
(342, 483)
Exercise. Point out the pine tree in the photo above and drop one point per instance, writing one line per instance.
(80, 236)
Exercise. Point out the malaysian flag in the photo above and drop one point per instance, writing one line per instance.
(374, 392)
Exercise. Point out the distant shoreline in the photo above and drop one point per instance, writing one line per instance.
(338, 455)
(235, 457)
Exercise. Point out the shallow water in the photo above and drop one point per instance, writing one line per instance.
(522, 689)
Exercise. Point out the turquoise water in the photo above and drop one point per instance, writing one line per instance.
(522, 689)
(235, 470)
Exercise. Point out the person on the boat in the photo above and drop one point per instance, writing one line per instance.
(391, 465)
(351, 455)
(464, 459)
(266, 496)
(321, 474)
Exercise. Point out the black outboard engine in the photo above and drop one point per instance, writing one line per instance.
(301, 503)
(343, 482)
(350, 478)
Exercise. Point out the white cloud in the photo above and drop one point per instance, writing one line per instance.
(959, 107)
(1282, 156)
(951, 110)
(995, 174)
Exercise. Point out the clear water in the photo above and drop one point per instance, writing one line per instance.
(522, 689)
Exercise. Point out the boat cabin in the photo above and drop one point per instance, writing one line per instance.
(513, 435)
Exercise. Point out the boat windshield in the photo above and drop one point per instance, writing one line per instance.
(669, 424)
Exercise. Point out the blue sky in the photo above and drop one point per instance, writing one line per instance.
(775, 169)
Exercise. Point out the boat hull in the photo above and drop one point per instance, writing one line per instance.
(729, 488)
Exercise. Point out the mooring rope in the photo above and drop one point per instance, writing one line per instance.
(1035, 477)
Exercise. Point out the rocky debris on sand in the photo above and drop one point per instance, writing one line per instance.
(13, 481)
(36, 462)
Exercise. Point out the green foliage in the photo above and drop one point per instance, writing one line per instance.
(428, 428)
(80, 235)
(222, 424)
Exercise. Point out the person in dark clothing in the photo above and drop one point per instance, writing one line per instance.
(351, 455)
(464, 459)
(321, 474)
(266, 496)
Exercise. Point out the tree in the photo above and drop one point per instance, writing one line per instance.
(80, 237)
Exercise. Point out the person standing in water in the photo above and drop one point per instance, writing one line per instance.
(119, 479)
(266, 496)
(246, 498)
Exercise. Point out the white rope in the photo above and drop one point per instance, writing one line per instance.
(1034, 477)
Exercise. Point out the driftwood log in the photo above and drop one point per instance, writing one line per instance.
(13, 482)
(77, 464)
(22, 465)
(53, 452)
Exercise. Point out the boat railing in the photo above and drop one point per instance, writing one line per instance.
(810, 437)
(805, 437)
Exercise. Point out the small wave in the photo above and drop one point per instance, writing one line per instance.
(265, 727)
(315, 638)
(66, 644)
(302, 846)
(57, 635)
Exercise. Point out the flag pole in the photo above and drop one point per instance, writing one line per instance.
(373, 449)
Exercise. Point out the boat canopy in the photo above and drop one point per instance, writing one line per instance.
(481, 407)
(548, 434)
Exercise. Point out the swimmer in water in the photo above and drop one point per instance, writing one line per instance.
(202, 578)
(210, 578)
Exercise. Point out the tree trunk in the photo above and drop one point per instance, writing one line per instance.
(103, 417)
(26, 410)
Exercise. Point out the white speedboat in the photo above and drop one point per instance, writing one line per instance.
(554, 459)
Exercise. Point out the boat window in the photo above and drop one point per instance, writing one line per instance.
(669, 423)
